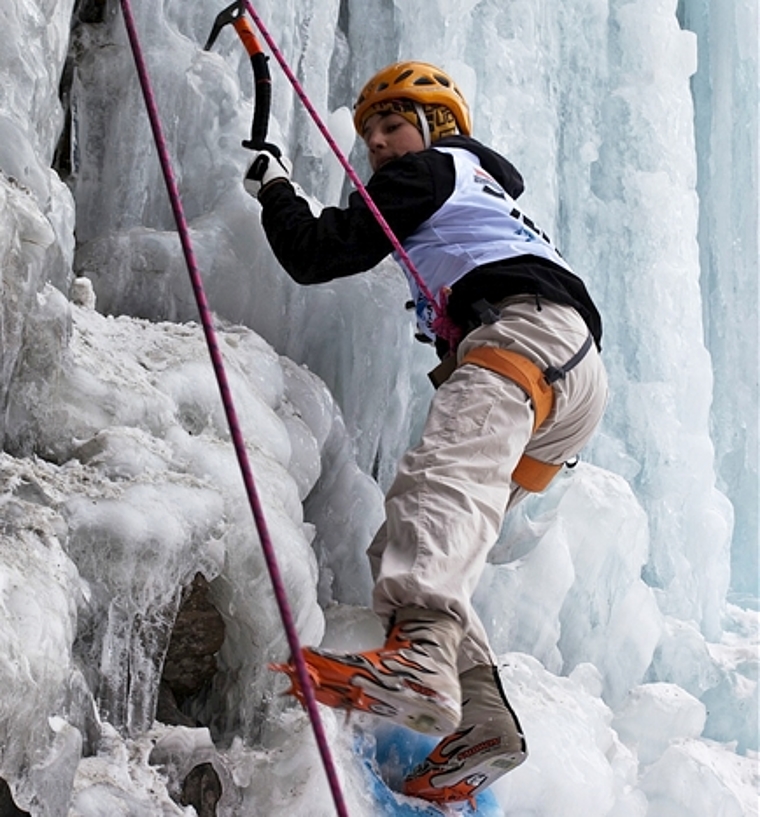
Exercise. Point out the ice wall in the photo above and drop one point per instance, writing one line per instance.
(123, 216)
(37, 223)
(605, 597)
(727, 118)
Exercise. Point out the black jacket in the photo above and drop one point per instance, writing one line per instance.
(407, 191)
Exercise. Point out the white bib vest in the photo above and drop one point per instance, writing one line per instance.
(478, 224)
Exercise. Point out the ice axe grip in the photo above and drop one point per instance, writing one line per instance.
(263, 104)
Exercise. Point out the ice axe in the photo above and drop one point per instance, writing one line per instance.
(234, 15)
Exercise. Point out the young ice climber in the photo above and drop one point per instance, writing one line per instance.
(526, 389)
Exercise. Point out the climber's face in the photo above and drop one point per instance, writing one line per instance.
(390, 136)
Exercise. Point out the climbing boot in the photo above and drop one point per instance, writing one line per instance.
(411, 680)
(486, 745)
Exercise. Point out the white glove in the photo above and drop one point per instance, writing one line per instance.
(266, 168)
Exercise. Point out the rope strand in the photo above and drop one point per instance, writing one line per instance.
(229, 408)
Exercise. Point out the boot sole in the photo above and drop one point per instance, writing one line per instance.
(463, 783)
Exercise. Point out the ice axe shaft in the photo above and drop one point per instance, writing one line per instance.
(234, 15)
(248, 37)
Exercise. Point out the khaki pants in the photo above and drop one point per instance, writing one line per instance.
(447, 503)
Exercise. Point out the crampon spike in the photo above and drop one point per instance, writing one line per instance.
(295, 688)
(344, 696)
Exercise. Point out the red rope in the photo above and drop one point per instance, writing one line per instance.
(229, 408)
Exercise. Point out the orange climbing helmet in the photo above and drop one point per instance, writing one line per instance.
(421, 84)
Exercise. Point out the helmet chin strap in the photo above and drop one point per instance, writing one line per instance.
(424, 127)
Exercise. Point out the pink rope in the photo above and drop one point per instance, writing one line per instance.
(229, 408)
(362, 190)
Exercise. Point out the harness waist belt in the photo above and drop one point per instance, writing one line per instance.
(530, 474)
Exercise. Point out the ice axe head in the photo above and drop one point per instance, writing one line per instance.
(234, 15)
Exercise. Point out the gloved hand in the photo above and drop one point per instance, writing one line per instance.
(266, 168)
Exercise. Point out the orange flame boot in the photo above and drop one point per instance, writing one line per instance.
(410, 680)
(488, 743)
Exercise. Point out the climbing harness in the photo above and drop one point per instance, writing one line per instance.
(230, 413)
(520, 370)
(530, 473)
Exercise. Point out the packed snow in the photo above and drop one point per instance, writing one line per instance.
(622, 602)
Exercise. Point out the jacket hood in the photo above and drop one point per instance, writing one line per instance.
(492, 162)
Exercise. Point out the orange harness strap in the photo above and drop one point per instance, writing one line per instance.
(520, 370)
(534, 475)
(530, 474)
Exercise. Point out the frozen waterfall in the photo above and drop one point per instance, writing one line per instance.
(622, 602)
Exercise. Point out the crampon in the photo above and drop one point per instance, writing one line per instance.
(462, 792)
(337, 693)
